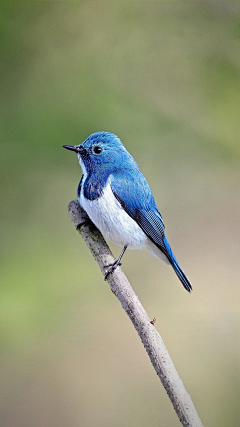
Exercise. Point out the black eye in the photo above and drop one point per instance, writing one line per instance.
(97, 149)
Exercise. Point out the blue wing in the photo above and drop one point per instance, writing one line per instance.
(136, 198)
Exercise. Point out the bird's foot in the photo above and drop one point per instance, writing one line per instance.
(115, 264)
(112, 268)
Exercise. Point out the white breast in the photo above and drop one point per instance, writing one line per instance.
(111, 219)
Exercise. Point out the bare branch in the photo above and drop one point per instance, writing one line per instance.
(150, 338)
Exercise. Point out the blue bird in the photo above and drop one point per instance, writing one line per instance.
(119, 201)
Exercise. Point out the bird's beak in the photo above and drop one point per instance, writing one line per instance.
(73, 148)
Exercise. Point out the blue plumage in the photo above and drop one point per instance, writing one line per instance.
(118, 199)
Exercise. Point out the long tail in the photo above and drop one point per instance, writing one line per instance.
(176, 267)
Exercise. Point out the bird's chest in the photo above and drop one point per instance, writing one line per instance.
(111, 219)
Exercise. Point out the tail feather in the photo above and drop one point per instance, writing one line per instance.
(179, 272)
(182, 276)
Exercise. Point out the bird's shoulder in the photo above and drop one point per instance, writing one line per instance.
(133, 189)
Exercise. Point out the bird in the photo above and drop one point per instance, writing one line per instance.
(119, 201)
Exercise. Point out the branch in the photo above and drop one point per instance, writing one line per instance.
(150, 338)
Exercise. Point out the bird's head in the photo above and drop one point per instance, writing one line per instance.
(102, 150)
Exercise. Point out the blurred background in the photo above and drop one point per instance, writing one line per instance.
(165, 77)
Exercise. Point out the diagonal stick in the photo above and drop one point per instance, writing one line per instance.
(147, 332)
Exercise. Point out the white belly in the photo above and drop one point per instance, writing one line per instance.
(113, 222)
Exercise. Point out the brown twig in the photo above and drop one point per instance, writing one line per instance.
(150, 338)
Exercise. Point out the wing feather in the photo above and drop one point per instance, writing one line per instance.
(136, 198)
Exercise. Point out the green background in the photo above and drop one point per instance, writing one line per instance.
(165, 77)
